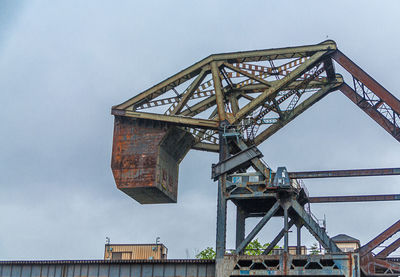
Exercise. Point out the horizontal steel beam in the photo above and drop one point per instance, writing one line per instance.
(208, 147)
(354, 198)
(275, 53)
(178, 120)
(254, 195)
(344, 173)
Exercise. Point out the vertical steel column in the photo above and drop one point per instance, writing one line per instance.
(286, 227)
(298, 248)
(240, 226)
(221, 205)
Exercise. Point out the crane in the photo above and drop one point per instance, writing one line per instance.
(229, 104)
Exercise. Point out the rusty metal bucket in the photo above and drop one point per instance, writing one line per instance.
(145, 159)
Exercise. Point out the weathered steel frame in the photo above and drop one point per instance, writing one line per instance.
(308, 56)
(345, 173)
(367, 248)
(258, 227)
(384, 108)
(366, 93)
(360, 98)
(341, 264)
(297, 212)
(247, 56)
(389, 249)
(370, 263)
(306, 104)
(354, 198)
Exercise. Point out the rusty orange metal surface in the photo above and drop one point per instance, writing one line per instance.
(145, 159)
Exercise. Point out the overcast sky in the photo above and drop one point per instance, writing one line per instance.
(63, 64)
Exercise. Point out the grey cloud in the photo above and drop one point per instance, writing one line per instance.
(63, 64)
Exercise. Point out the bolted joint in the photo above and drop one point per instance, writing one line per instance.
(223, 125)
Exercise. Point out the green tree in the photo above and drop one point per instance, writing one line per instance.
(314, 249)
(206, 254)
(254, 248)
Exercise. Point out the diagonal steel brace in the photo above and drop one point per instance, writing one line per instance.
(318, 232)
(235, 162)
(257, 164)
(277, 238)
(258, 227)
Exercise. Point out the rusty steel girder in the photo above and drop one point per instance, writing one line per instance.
(354, 198)
(344, 173)
(389, 249)
(378, 240)
(378, 264)
(371, 96)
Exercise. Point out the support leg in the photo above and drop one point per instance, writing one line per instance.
(258, 227)
(221, 220)
(298, 248)
(240, 226)
(221, 205)
(286, 227)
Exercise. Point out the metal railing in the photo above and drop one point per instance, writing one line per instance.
(279, 251)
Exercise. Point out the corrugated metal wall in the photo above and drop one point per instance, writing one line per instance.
(169, 268)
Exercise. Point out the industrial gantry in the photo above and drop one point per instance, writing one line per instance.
(229, 104)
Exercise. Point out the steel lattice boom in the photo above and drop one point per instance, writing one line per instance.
(258, 92)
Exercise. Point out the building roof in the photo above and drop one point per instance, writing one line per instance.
(344, 238)
(136, 244)
(58, 262)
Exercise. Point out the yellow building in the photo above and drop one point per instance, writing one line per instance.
(292, 250)
(346, 243)
(135, 252)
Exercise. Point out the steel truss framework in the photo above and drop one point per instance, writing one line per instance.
(233, 102)
(280, 194)
(258, 92)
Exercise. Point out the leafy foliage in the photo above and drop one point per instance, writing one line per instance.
(314, 249)
(254, 248)
(206, 254)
